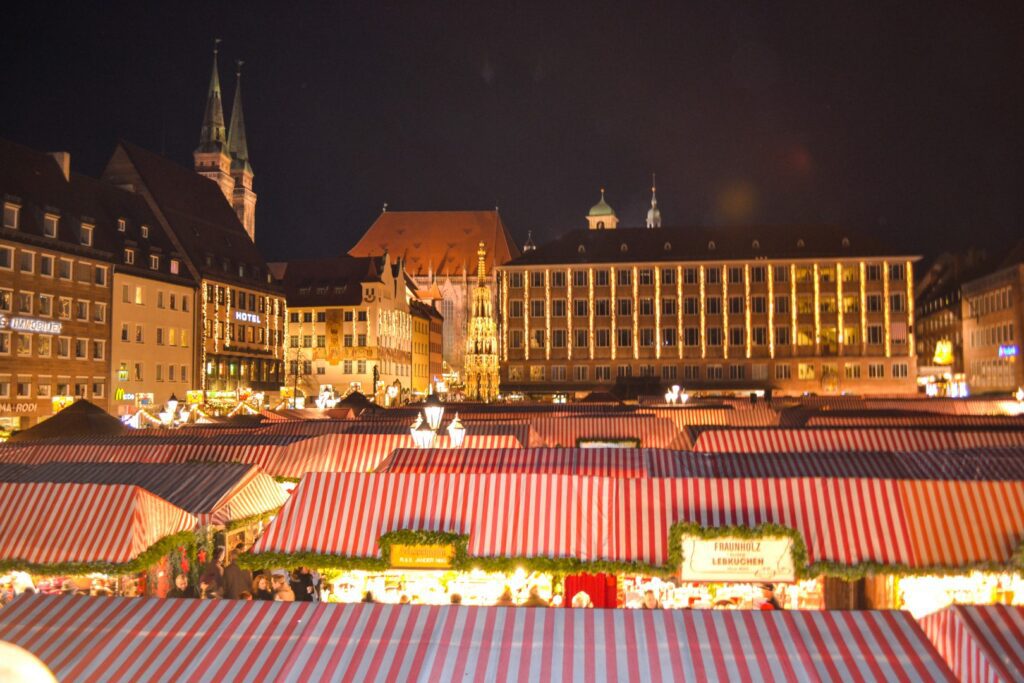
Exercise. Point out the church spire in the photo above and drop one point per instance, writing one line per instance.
(654, 213)
(237, 145)
(212, 135)
(481, 268)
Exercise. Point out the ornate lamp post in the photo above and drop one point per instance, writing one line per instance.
(456, 432)
(433, 409)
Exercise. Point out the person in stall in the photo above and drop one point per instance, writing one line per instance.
(182, 588)
(651, 600)
(768, 596)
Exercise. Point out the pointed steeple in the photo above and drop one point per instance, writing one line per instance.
(529, 246)
(237, 145)
(481, 268)
(654, 213)
(213, 135)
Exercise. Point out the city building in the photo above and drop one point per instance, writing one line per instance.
(55, 287)
(427, 326)
(438, 249)
(239, 309)
(793, 310)
(481, 359)
(993, 316)
(349, 326)
(939, 322)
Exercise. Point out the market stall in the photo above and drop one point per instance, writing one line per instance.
(980, 644)
(82, 639)
(638, 431)
(87, 536)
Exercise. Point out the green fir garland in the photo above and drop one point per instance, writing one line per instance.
(141, 562)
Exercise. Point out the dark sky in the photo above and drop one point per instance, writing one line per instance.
(904, 121)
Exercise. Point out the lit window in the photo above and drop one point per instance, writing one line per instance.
(122, 225)
(154, 262)
(86, 235)
(145, 232)
(12, 214)
(50, 225)
(129, 256)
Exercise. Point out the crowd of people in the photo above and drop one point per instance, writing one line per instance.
(223, 578)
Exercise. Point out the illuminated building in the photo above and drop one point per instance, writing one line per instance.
(439, 252)
(481, 359)
(427, 331)
(993, 317)
(655, 307)
(349, 326)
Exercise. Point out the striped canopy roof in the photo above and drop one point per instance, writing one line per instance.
(844, 521)
(651, 431)
(980, 643)
(52, 523)
(116, 639)
(981, 465)
(213, 492)
(820, 440)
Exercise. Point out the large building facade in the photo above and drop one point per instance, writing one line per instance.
(439, 250)
(993, 317)
(349, 327)
(806, 310)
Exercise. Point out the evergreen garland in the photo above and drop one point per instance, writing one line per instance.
(141, 562)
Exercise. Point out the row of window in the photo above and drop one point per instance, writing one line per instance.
(990, 302)
(169, 336)
(243, 301)
(42, 305)
(43, 387)
(712, 275)
(25, 345)
(713, 336)
(321, 316)
(51, 221)
(154, 261)
(134, 371)
(136, 294)
(713, 306)
(991, 373)
(47, 265)
(992, 335)
(758, 372)
(240, 333)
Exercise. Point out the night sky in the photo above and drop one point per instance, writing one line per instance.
(907, 123)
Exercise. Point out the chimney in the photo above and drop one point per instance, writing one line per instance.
(64, 161)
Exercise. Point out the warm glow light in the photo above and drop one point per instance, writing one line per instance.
(526, 315)
(792, 305)
(725, 312)
(817, 310)
(614, 310)
(943, 352)
(746, 304)
(568, 313)
(504, 315)
(839, 307)
(909, 275)
(636, 314)
(657, 312)
(456, 432)
(863, 309)
(885, 309)
(590, 311)
(771, 311)
(434, 410)
(703, 313)
(547, 314)
(679, 310)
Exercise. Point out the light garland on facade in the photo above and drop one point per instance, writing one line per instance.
(679, 310)
(636, 314)
(280, 313)
(839, 308)
(228, 327)
(792, 307)
(568, 313)
(703, 315)
(771, 311)
(746, 304)
(657, 312)
(817, 310)
(503, 289)
(206, 314)
(863, 309)
(590, 311)
(547, 314)
(526, 315)
(614, 311)
(725, 312)
(908, 274)
(885, 309)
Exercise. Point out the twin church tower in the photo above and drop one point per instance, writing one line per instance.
(222, 154)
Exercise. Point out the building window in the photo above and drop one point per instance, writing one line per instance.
(714, 372)
(5, 343)
(81, 310)
(516, 339)
(760, 336)
(361, 339)
(81, 349)
(876, 370)
(624, 338)
(64, 269)
(713, 305)
(558, 279)
(63, 347)
(515, 280)
(145, 232)
(26, 261)
(714, 336)
(602, 338)
(691, 336)
(537, 279)
(646, 276)
(646, 306)
(580, 339)
(50, 225)
(558, 373)
(603, 373)
(24, 389)
(99, 349)
(851, 370)
(668, 276)
(46, 265)
(361, 367)
(624, 307)
(714, 276)
(558, 339)
(98, 389)
(154, 262)
(737, 372)
(900, 370)
(65, 308)
(668, 336)
(129, 256)
(46, 305)
(601, 307)
(874, 272)
(122, 225)
(647, 336)
(579, 373)
(875, 334)
(805, 371)
(782, 336)
(86, 234)
(558, 308)
(736, 305)
(736, 336)
(601, 278)
(624, 371)
(735, 275)
(690, 276)
(758, 305)
(100, 276)
(12, 214)
(624, 277)
(25, 303)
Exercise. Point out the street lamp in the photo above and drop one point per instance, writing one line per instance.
(456, 432)
(172, 404)
(422, 435)
(433, 409)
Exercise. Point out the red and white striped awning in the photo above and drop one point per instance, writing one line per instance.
(51, 523)
(652, 432)
(117, 639)
(601, 462)
(981, 644)
(822, 440)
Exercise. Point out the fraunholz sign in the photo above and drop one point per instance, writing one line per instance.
(422, 556)
(738, 559)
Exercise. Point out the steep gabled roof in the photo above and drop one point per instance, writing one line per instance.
(195, 210)
(335, 281)
(442, 242)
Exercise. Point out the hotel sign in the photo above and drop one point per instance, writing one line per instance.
(422, 556)
(737, 559)
(1008, 351)
(247, 317)
(36, 325)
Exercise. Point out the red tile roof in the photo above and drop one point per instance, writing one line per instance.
(445, 242)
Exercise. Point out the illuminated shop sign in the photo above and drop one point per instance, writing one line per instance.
(7, 408)
(30, 325)
(1008, 351)
(247, 317)
(737, 558)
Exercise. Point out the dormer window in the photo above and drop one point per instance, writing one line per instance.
(86, 234)
(241, 270)
(12, 215)
(154, 262)
(800, 244)
(50, 225)
(711, 245)
(129, 257)
(145, 232)
(175, 266)
(122, 225)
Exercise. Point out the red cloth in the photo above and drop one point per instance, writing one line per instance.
(600, 587)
